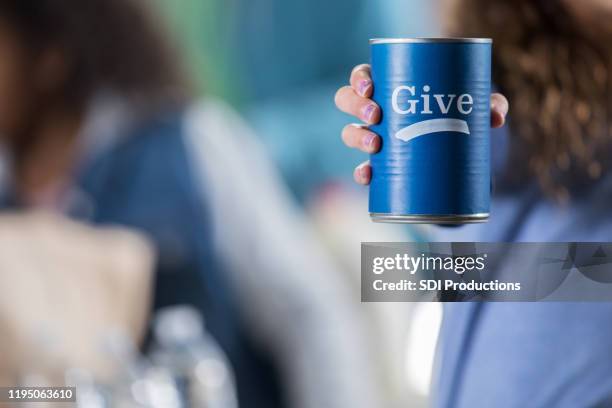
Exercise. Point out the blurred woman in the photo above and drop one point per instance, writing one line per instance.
(553, 60)
(98, 124)
(91, 99)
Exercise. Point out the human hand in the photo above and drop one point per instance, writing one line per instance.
(355, 99)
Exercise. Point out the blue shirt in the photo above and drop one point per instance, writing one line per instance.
(530, 354)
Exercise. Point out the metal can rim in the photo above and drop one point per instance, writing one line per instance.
(430, 40)
(430, 218)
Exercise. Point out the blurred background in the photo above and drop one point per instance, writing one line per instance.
(279, 63)
(264, 135)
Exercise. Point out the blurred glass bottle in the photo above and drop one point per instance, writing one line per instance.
(89, 394)
(140, 384)
(197, 362)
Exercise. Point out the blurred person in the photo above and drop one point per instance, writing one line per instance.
(92, 116)
(296, 301)
(66, 295)
(553, 60)
(298, 55)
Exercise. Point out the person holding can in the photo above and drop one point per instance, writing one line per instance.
(551, 183)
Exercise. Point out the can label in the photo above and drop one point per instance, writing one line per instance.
(435, 101)
(443, 103)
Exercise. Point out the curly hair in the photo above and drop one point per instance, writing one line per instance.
(117, 44)
(559, 82)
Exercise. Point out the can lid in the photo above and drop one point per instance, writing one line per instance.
(429, 40)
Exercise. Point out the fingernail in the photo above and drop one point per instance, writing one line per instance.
(368, 141)
(362, 172)
(499, 111)
(494, 107)
(364, 85)
(368, 113)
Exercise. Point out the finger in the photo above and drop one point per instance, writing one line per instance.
(360, 137)
(361, 80)
(363, 173)
(499, 110)
(364, 109)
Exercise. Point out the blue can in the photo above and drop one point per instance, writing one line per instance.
(434, 164)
